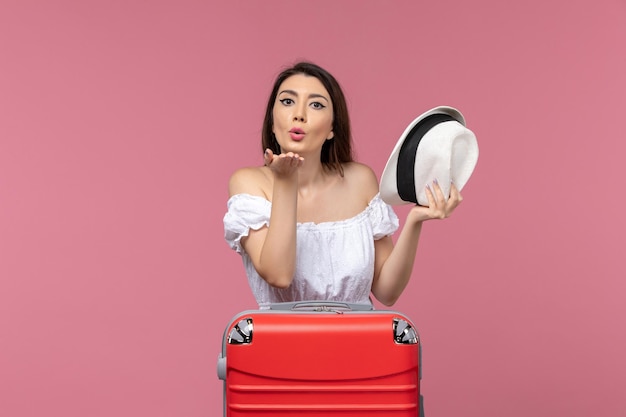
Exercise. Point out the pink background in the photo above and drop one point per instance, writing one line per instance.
(121, 121)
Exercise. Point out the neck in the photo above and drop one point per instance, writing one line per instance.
(311, 173)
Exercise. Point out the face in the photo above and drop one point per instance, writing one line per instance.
(302, 115)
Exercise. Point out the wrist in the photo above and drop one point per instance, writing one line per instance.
(415, 218)
(285, 183)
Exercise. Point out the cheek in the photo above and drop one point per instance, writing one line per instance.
(330, 124)
(277, 119)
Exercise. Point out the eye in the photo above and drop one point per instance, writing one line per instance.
(286, 101)
(317, 105)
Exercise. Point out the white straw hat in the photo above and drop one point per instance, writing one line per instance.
(435, 146)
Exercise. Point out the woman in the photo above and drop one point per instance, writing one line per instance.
(310, 224)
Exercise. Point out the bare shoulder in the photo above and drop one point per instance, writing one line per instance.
(249, 180)
(361, 176)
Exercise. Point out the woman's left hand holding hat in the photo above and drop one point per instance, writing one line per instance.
(438, 206)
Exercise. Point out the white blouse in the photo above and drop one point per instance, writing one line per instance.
(334, 260)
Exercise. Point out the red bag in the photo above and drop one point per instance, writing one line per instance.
(322, 358)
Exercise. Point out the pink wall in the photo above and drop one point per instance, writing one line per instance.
(121, 121)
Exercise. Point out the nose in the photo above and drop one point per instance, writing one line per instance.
(299, 114)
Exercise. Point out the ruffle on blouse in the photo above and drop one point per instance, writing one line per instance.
(247, 212)
(383, 219)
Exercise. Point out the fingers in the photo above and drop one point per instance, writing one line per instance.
(440, 207)
(439, 197)
(290, 159)
(436, 201)
(455, 195)
(430, 196)
(435, 195)
(268, 155)
(282, 164)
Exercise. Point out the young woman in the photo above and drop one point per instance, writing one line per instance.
(310, 224)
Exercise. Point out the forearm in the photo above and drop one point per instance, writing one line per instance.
(395, 272)
(277, 260)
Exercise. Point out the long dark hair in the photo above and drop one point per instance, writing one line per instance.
(336, 151)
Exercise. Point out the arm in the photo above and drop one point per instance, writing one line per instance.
(393, 265)
(273, 249)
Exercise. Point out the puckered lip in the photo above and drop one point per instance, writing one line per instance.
(296, 130)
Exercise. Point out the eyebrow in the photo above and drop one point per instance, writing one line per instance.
(312, 95)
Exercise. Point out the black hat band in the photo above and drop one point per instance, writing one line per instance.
(408, 153)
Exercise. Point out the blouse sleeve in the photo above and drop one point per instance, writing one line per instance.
(244, 212)
(383, 219)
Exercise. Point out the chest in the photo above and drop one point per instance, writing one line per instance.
(331, 206)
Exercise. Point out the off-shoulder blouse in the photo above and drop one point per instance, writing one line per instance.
(334, 260)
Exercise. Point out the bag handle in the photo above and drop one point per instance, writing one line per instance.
(322, 306)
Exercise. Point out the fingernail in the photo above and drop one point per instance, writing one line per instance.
(435, 181)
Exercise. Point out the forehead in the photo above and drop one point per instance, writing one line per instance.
(303, 84)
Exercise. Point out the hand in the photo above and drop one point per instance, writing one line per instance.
(284, 164)
(438, 206)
